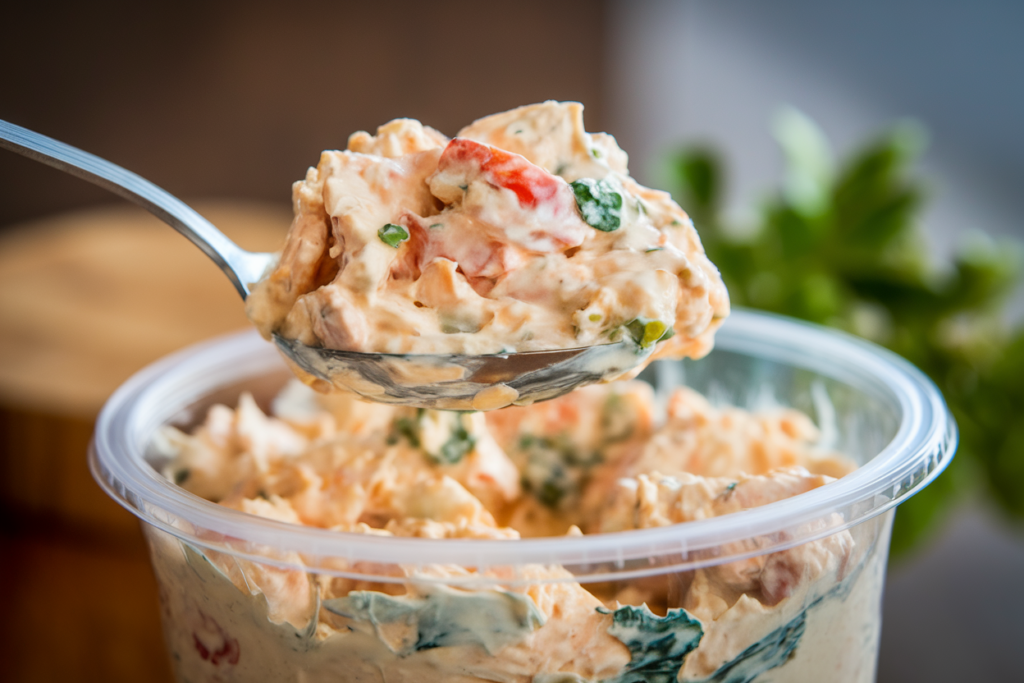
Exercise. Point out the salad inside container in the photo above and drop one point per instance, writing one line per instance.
(627, 576)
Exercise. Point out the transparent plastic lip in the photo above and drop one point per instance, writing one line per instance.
(921, 448)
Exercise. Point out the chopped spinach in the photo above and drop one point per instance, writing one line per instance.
(773, 650)
(599, 204)
(445, 617)
(407, 428)
(646, 332)
(393, 235)
(657, 645)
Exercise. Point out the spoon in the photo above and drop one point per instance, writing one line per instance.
(444, 381)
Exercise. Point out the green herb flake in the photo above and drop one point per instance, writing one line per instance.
(436, 225)
(731, 486)
(647, 332)
(408, 429)
(181, 476)
(457, 446)
(598, 203)
(648, 251)
(393, 235)
(595, 317)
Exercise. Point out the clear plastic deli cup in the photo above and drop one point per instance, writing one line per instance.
(790, 589)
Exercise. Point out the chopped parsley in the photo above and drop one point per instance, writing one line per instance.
(443, 436)
(599, 204)
(457, 446)
(393, 235)
(553, 469)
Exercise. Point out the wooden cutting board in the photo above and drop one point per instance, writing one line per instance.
(86, 300)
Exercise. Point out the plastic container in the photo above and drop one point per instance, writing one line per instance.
(214, 565)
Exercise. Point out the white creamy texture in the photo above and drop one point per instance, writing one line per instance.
(408, 242)
(592, 461)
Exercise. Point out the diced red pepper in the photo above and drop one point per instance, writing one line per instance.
(531, 184)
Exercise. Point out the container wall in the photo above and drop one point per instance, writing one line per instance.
(810, 613)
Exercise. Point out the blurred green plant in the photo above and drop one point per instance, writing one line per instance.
(840, 244)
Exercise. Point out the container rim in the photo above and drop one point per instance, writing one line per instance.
(922, 447)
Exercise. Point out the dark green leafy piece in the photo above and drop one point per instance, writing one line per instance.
(657, 645)
(445, 617)
(393, 235)
(599, 203)
(773, 650)
(457, 446)
(554, 470)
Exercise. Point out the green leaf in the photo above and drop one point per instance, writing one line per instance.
(457, 446)
(445, 617)
(393, 235)
(599, 203)
(657, 645)
(809, 169)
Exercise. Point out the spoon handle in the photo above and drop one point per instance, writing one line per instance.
(241, 267)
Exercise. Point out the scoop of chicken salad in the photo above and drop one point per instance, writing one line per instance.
(522, 233)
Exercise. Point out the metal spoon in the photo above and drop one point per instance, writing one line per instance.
(456, 382)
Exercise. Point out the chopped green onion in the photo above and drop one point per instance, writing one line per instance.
(393, 235)
(645, 333)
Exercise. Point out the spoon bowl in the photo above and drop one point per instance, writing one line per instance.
(444, 381)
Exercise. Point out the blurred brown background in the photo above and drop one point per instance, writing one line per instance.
(224, 104)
